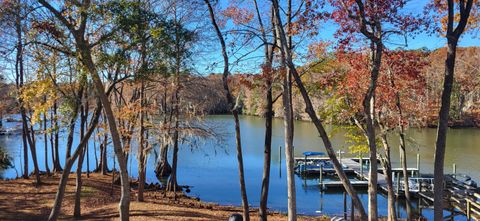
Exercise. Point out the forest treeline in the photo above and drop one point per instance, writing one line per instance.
(207, 92)
(465, 108)
(131, 77)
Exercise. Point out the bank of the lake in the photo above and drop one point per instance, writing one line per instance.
(21, 200)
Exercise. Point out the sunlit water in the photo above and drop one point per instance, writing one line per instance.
(211, 166)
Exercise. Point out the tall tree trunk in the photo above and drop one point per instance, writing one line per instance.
(387, 170)
(172, 181)
(69, 163)
(141, 154)
(316, 121)
(163, 168)
(78, 188)
(452, 40)
(234, 109)
(25, 153)
(442, 130)
(56, 167)
(369, 111)
(45, 139)
(33, 150)
(124, 204)
(19, 82)
(288, 122)
(52, 145)
(403, 161)
(288, 127)
(402, 147)
(267, 72)
(267, 153)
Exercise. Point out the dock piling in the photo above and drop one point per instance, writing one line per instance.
(280, 155)
(321, 177)
(345, 205)
(469, 216)
(418, 165)
(361, 167)
(352, 211)
(398, 183)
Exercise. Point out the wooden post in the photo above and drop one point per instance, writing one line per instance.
(454, 169)
(345, 205)
(469, 215)
(321, 176)
(280, 161)
(393, 176)
(398, 183)
(305, 164)
(352, 211)
(280, 155)
(361, 167)
(418, 164)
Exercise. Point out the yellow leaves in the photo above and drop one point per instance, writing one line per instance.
(473, 22)
(39, 96)
(358, 144)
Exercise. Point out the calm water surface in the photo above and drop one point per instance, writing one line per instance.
(211, 166)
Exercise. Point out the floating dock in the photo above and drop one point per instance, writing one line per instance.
(461, 193)
(350, 165)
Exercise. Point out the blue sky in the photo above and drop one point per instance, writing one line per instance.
(326, 33)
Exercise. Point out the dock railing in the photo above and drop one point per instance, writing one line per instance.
(417, 184)
(473, 207)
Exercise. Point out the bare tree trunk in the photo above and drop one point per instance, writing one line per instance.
(19, 83)
(78, 188)
(288, 126)
(68, 166)
(172, 181)
(267, 72)
(141, 154)
(288, 122)
(52, 145)
(369, 111)
(452, 40)
(56, 164)
(124, 204)
(45, 139)
(387, 170)
(267, 154)
(403, 153)
(403, 161)
(163, 168)
(316, 121)
(25, 153)
(30, 134)
(442, 130)
(234, 109)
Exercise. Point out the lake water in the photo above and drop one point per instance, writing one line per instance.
(211, 167)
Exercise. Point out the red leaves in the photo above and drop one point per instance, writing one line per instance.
(238, 15)
(401, 73)
(46, 26)
(365, 18)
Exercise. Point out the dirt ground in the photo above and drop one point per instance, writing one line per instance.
(21, 200)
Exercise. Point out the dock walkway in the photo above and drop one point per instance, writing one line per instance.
(351, 165)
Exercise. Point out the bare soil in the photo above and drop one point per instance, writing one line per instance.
(21, 200)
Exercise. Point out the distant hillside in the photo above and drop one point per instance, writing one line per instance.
(465, 108)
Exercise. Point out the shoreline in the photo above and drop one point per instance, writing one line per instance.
(21, 200)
